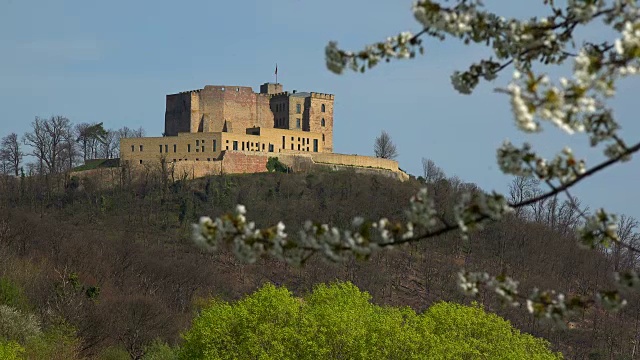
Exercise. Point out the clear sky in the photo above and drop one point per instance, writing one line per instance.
(114, 61)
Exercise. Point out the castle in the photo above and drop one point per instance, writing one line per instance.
(232, 129)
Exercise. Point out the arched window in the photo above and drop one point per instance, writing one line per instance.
(322, 108)
(322, 122)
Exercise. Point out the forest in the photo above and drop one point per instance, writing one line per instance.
(112, 272)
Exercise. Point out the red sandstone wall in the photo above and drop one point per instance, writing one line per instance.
(238, 163)
(238, 105)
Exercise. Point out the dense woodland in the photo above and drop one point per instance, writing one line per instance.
(112, 271)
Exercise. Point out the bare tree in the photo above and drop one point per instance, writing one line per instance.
(123, 133)
(39, 142)
(11, 152)
(58, 128)
(384, 147)
(431, 172)
(628, 234)
(69, 148)
(569, 215)
(4, 165)
(110, 146)
(32, 169)
(140, 132)
(47, 140)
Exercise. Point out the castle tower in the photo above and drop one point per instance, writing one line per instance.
(271, 88)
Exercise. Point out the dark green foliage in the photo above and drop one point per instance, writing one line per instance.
(11, 294)
(273, 164)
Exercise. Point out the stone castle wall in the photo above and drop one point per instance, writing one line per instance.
(211, 108)
(243, 162)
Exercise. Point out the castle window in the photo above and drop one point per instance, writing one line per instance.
(141, 148)
(270, 147)
(262, 147)
(160, 149)
(140, 161)
(298, 109)
(227, 141)
(322, 108)
(166, 148)
(188, 147)
(175, 148)
(298, 123)
(298, 147)
(208, 159)
(322, 122)
(133, 148)
(197, 142)
(235, 145)
(283, 142)
(214, 145)
(174, 160)
(243, 146)
(197, 149)
(322, 137)
(291, 146)
(202, 148)
(292, 138)
(197, 159)
(237, 89)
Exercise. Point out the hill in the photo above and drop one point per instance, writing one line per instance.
(120, 266)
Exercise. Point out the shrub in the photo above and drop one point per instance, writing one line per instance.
(338, 321)
(56, 342)
(273, 164)
(16, 325)
(159, 350)
(12, 295)
(10, 350)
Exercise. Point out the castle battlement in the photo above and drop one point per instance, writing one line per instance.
(280, 95)
(322, 96)
(187, 92)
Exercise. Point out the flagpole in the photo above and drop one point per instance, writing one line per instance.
(276, 73)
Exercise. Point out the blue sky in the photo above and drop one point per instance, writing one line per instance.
(114, 61)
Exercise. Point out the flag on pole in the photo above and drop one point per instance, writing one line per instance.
(276, 69)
